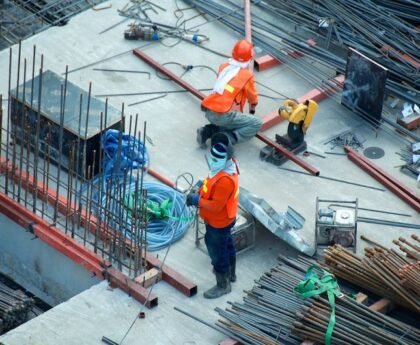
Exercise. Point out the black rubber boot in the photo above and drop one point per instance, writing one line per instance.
(205, 133)
(221, 288)
(232, 268)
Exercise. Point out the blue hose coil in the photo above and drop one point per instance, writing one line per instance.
(134, 156)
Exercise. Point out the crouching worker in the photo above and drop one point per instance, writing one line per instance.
(224, 107)
(217, 200)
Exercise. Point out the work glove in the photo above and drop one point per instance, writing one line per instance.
(197, 186)
(192, 199)
(252, 108)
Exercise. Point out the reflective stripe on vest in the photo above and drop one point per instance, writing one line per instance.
(206, 192)
(225, 102)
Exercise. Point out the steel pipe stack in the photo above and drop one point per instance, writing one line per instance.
(382, 271)
(354, 324)
(14, 308)
(272, 314)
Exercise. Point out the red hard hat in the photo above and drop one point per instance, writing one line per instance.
(243, 51)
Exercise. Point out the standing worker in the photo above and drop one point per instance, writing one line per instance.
(217, 200)
(225, 105)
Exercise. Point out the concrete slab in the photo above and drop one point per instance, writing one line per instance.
(171, 124)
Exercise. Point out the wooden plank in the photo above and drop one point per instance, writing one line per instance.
(149, 277)
(384, 305)
(361, 298)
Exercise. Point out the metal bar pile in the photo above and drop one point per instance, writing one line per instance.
(14, 308)
(60, 188)
(410, 277)
(23, 18)
(354, 324)
(361, 24)
(410, 155)
(406, 9)
(379, 271)
(272, 314)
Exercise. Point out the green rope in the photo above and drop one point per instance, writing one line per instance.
(154, 210)
(314, 285)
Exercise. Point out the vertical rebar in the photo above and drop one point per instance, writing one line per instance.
(59, 156)
(36, 141)
(22, 124)
(14, 122)
(9, 110)
(78, 164)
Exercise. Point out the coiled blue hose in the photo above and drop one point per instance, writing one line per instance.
(160, 232)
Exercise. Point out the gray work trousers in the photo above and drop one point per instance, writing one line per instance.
(239, 127)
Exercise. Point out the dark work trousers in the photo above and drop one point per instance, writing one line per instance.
(220, 246)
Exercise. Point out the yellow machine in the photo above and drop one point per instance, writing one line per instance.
(300, 117)
(299, 113)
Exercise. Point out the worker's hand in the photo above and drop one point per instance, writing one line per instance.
(304, 129)
(192, 199)
(252, 108)
(197, 186)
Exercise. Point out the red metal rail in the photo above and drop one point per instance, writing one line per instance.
(395, 186)
(69, 247)
(200, 95)
(92, 224)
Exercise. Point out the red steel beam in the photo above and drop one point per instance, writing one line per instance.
(92, 224)
(201, 96)
(146, 58)
(69, 247)
(172, 277)
(139, 293)
(51, 235)
(288, 154)
(395, 186)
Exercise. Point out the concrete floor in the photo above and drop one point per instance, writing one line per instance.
(171, 124)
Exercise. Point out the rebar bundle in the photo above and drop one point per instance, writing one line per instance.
(362, 24)
(272, 314)
(379, 271)
(410, 277)
(14, 308)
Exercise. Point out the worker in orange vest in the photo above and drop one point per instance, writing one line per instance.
(225, 105)
(217, 200)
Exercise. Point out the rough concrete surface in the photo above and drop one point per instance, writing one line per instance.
(171, 124)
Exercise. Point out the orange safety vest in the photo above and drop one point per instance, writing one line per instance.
(232, 97)
(228, 213)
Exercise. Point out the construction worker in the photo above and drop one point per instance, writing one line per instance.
(217, 200)
(225, 105)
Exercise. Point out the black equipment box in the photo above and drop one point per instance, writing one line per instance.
(76, 132)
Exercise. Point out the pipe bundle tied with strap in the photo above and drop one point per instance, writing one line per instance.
(317, 284)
